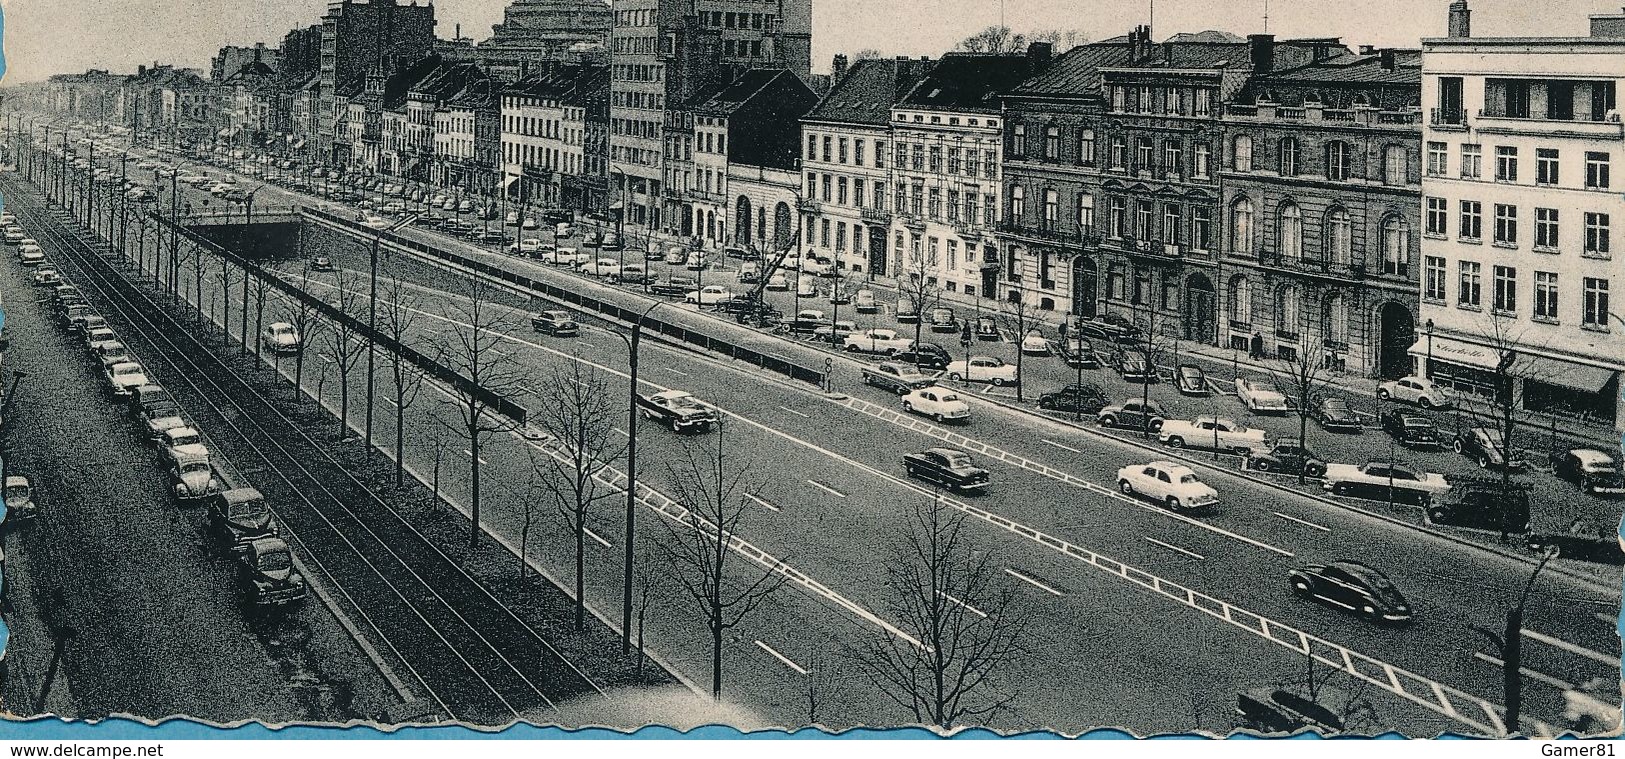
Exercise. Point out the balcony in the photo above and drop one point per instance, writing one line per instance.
(1151, 250)
(913, 222)
(1448, 119)
(1352, 272)
(1267, 111)
(875, 216)
(1494, 123)
(992, 259)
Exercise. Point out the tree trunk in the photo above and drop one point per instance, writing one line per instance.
(581, 565)
(716, 651)
(400, 424)
(474, 476)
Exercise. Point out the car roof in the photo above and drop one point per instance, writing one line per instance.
(1591, 456)
(16, 481)
(672, 394)
(1171, 467)
(1358, 569)
(948, 452)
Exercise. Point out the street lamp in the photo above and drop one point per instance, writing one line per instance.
(1427, 371)
(631, 474)
(248, 256)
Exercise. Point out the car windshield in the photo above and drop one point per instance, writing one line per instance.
(194, 467)
(276, 561)
(180, 440)
(16, 491)
(959, 460)
(950, 398)
(126, 370)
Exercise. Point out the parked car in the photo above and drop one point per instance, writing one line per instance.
(1113, 328)
(160, 418)
(112, 353)
(863, 301)
(941, 319)
(947, 467)
(194, 478)
(834, 332)
(600, 267)
(709, 295)
(839, 296)
(1594, 471)
(183, 442)
(926, 356)
(47, 276)
(1335, 415)
(1354, 587)
(778, 283)
(1213, 433)
(676, 256)
(679, 410)
(1078, 352)
(806, 287)
(1488, 505)
(1483, 446)
(98, 336)
(675, 286)
(987, 369)
(1582, 542)
(884, 342)
(1287, 456)
(1133, 368)
(897, 377)
(1035, 344)
(555, 323)
(1261, 397)
(1133, 414)
(1175, 486)
(1411, 430)
(529, 246)
(1190, 380)
(1382, 480)
(986, 329)
(31, 255)
(908, 312)
(1074, 399)
(939, 403)
(19, 497)
(239, 516)
(1418, 390)
(267, 575)
(631, 274)
(281, 338)
(124, 378)
(146, 397)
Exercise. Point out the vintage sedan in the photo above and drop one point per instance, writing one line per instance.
(709, 295)
(19, 497)
(47, 276)
(864, 302)
(926, 355)
(1483, 446)
(1261, 397)
(1594, 471)
(281, 338)
(939, 403)
(1175, 486)
(1074, 399)
(124, 378)
(194, 478)
(1133, 414)
(836, 331)
(883, 342)
(1287, 456)
(1353, 587)
(1418, 390)
(183, 442)
(1411, 430)
(555, 323)
(1078, 352)
(1035, 344)
(673, 287)
(1384, 480)
(321, 263)
(1190, 380)
(948, 468)
(1213, 433)
(987, 369)
(1334, 414)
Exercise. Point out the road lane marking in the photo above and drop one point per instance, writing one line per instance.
(966, 606)
(785, 660)
(389, 400)
(526, 389)
(595, 537)
(1173, 547)
(621, 432)
(1612, 619)
(826, 488)
(797, 413)
(764, 504)
(587, 345)
(673, 371)
(1030, 581)
(1062, 447)
(1291, 518)
(470, 454)
(1578, 650)
(1537, 676)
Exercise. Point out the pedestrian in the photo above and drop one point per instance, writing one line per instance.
(1256, 347)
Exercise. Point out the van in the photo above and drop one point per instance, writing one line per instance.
(240, 515)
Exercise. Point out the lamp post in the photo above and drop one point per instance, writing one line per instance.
(1428, 369)
(248, 221)
(631, 476)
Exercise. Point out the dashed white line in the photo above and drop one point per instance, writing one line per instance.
(389, 400)
(1611, 619)
(595, 537)
(470, 454)
(826, 488)
(785, 660)
(587, 345)
(764, 504)
(1030, 581)
(968, 607)
(1062, 446)
(673, 371)
(1535, 675)
(621, 432)
(1291, 518)
(797, 413)
(1173, 547)
(1572, 648)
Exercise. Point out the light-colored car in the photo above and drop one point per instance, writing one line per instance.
(709, 295)
(1261, 397)
(99, 336)
(19, 496)
(1035, 344)
(806, 287)
(1213, 433)
(676, 256)
(528, 246)
(194, 478)
(31, 255)
(1175, 486)
(601, 267)
(112, 353)
(125, 377)
(939, 403)
(816, 267)
(281, 338)
(1418, 390)
(565, 257)
(374, 222)
(878, 341)
(14, 235)
(983, 369)
(778, 283)
(47, 276)
(184, 442)
(1382, 479)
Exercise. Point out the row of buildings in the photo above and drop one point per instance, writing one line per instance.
(1444, 210)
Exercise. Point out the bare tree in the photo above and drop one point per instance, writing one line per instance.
(228, 276)
(1062, 39)
(712, 488)
(258, 285)
(1018, 318)
(920, 291)
(962, 631)
(344, 346)
(1504, 337)
(993, 39)
(1147, 347)
(470, 347)
(397, 317)
(868, 54)
(306, 322)
(577, 410)
(1302, 380)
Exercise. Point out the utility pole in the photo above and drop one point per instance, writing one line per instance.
(631, 478)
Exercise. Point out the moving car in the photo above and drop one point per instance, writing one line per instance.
(1175, 486)
(1411, 430)
(900, 378)
(1382, 480)
(947, 467)
(983, 369)
(1261, 397)
(679, 410)
(1074, 399)
(1594, 471)
(1488, 505)
(939, 403)
(281, 338)
(1483, 446)
(709, 295)
(1353, 587)
(1133, 414)
(19, 497)
(1335, 415)
(1190, 380)
(1213, 433)
(1418, 390)
(555, 323)
(321, 263)
(1287, 456)
(877, 341)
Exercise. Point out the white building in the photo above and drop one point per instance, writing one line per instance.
(1519, 205)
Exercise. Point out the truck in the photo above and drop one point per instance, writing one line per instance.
(679, 410)
(899, 378)
(1214, 434)
(267, 575)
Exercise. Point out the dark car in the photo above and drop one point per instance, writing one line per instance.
(987, 330)
(1335, 414)
(1582, 542)
(495, 236)
(1134, 369)
(1190, 380)
(1284, 710)
(1133, 414)
(926, 355)
(1287, 456)
(674, 287)
(1482, 446)
(1113, 328)
(1354, 587)
(555, 323)
(1592, 470)
(1074, 399)
(556, 217)
(942, 319)
(948, 468)
(1078, 353)
(1484, 505)
(1411, 430)
(321, 263)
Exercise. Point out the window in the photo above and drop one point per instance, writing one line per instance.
(1339, 237)
(840, 237)
(931, 258)
(840, 150)
(1201, 160)
(1052, 210)
(1334, 318)
(1289, 156)
(1396, 165)
(934, 204)
(1472, 161)
(1433, 279)
(1144, 154)
(917, 153)
(1242, 153)
(1241, 299)
(1117, 216)
(823, 233)
(827, 142)
(1143, 219)
(989, 209)
(1339, 161)
(1173, 158)
(1438, 159)
(1545, 295)
(880, 154)
(1086, 147)
(1241, 226)
(1437, 216)
(1506, 164)
(812, 183)
(823, 187)
(1287, 313)
(1506, 224)
(1201, 228)
(1086, 213)
(970, 207)
(1546, 236)
(953, 206)
(1546, 166)
(1171, 220)
(1289, 236)
(1204, 102)
(953, 254)
(1396, 246)
(812, 147)
(1052, 143)
(1596, 171)
(857, 193)
(1472, 220)
(1505, 294)
(1468, 293)
(1596, 303)
(857, 152)
(1597, 234)
(1119, 155)
(953, 160)
(1018, 141)
(1018, 205)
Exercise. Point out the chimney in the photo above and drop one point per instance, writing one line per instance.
(141, 70)
(1038, 56)
(1262, 48)
(1368, 50)
(1139, 42)
(1387, 57)
(1461, 20)
(837, 70)
(1609, 25)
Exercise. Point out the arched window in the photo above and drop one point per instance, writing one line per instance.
(1289, 156)
(1240, 299)
(1289, 233)
(1241, 226)
(1286, 310)
(1018, 203)
(1339, 237)
(1241, 153)
(1334, 319)
(1396, 246)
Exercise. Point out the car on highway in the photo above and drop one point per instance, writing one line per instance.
(863, 301)
(709, 295)
(1335, 415)
(1411, 430)
(1353, 587)
(897, 377)
(555, 323)
(1484, 504)
(948, 468)
(239, 515)
(31, 255)
(1174, 486)
(926, 356)
(1190, 380)
(183, 442)
(193, 478)
(883, 342)
(281, 338)
(942, 319)
(1133, 414)
(160, 418)
(1261, 397)
(1418, 390)
(1483, 446)
(1582, 542)
(679, 410)
(266, 573)
(673, 287)
(939, 403)
(321, 263)
(124, 378)
(1385, 480)
(1215, 434)
(989, 369)
(1035, 344)
(1074, 399)
(1592, 470)
(1287, 456)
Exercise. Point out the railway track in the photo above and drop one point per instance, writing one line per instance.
(472, 657)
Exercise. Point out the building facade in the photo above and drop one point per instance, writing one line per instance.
(534, 32)
(357, 38)
(234, 58)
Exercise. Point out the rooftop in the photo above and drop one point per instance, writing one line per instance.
(869, 89)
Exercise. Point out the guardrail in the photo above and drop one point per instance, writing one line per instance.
(580, 300)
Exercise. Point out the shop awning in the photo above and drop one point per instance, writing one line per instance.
(1458, 352)
(1590, 379)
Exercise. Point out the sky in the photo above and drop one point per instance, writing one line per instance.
(44, 37)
